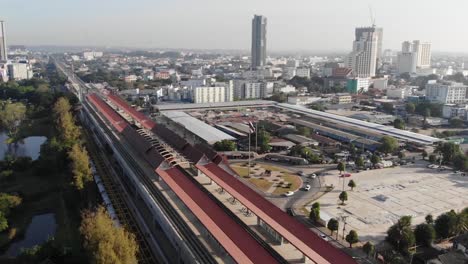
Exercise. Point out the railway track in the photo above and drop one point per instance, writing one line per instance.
(201, 253)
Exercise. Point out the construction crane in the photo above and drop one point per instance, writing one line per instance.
(372, 17)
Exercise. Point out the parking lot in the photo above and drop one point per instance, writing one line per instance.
(383, 196)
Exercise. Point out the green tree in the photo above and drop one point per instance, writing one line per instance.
(8, 202)
(424, 234)
(424, 154)
(305, 131)
(456, 122)
(375, 159)
(105, 242)
(387, 107)
(368, 248)
(460, 162)
(341, 167)
(80, 166)
(429, 219)
(448, 150)
(225, 145)
(343, 197)
(68, 131)
(315, 212)
(359, 162)
(400, 235)
(352, 238)
(399, 123)
(11, 116)
(401, 155)
(388, 144)
(332, 225)
(410, 108)
(3, 222)
(446, 225)
(263, 140)
(352, 185)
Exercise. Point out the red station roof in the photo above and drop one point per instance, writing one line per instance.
(306, 241)
(240, 245)
(115, 119)
(140, 117)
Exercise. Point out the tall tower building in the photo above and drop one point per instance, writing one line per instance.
(423, 50)
(363, 58)
(379, 33)
(259, 25)
(3, 46)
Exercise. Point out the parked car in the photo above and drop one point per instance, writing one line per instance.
(307, 187)
(290, 193)
(300, 173)
(345, 175)
(313, 176)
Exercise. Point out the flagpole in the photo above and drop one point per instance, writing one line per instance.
(249, 155)
(256, 136)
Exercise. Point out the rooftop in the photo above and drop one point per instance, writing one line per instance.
(197, 127)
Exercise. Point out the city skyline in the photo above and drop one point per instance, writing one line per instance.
(168, 25)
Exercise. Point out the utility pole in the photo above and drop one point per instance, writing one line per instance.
(343, 218)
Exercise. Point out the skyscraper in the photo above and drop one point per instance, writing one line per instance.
(363, 58)
(379, 33)
(259, 24)
(423, 50)
(3, 47)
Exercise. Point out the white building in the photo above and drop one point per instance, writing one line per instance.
(423, 49)
(229, 92)
(407, 62)
(292, 63)
(446, 92)
(363, 58)
(303, 72)
(91, 55)
(285, 89)
(289, 73)
(19, 71)
(380, 83)
(253, 90)
(399, 93)
(454, 110)
(302, 100)
(209, 95)
(193, 83)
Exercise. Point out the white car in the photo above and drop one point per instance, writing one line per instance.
(313, 175)
(307, 187)
(289, 193)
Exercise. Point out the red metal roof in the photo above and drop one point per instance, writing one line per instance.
(141, 118)
(240, 245)
(115, 119)
(310, 244)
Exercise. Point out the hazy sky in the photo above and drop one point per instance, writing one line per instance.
(315, 25)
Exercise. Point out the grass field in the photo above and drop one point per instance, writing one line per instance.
(290, 181)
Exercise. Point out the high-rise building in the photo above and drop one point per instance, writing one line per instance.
(446, 92)
(423, 50)
(259, 26)
(363, 58)
(407, 62)
(420, 50)
(3, 46)
(203, 95)
(377, 31)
